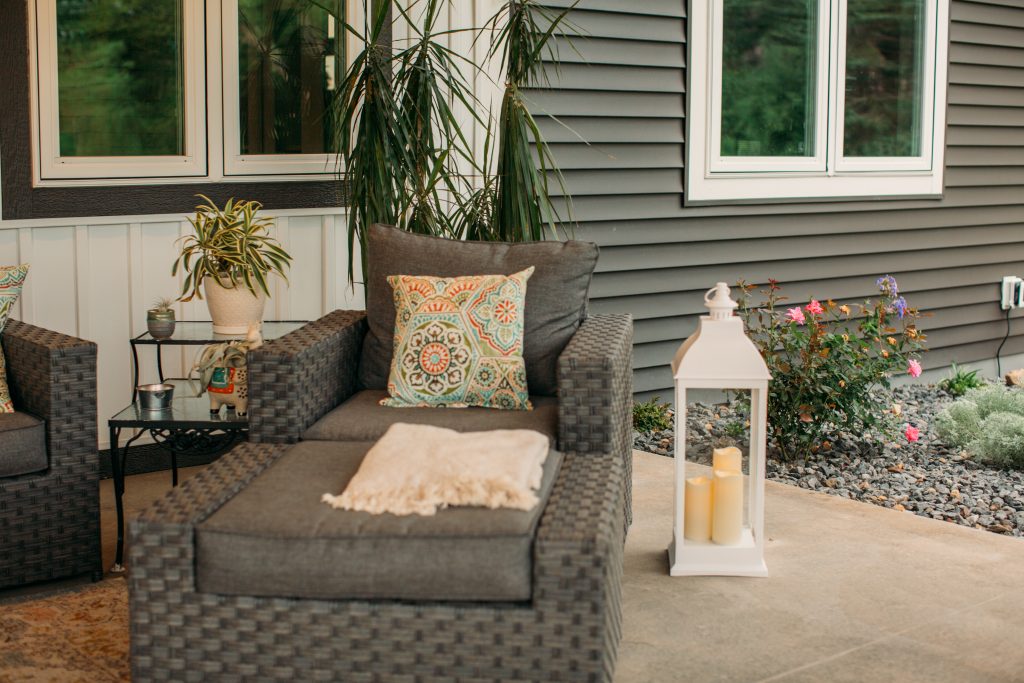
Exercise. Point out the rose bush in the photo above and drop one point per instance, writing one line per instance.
(829, 360)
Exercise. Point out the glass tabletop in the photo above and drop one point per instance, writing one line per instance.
(185, 411)
(201, 332)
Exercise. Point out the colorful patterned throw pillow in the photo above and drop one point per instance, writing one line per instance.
(459, 342)
(11, 280)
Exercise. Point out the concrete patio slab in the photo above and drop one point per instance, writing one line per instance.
(855, 593)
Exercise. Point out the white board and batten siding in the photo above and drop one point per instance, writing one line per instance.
(95, 279)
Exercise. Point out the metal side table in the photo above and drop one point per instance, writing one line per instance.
(188, 426)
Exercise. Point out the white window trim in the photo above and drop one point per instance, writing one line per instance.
(51, 165)
(207, 132)
(236, 163)
(708, 180)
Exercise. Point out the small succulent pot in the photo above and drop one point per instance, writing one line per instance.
(160, 323)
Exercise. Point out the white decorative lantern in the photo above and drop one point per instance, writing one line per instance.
(724, 534)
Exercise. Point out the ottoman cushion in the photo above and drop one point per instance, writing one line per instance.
(275, 538)
(22, 444)
(362, 418)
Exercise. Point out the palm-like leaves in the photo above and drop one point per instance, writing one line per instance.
(232, 245)
(403, 145)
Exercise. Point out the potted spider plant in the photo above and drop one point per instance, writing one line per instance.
(229, 259)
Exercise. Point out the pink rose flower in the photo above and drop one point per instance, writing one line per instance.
(912, 433)
(795, 315)
(814, 308)
(914, 368)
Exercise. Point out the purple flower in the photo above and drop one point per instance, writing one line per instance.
(888, 285)
(900, 306)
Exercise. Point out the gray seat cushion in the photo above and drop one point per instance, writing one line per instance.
(556, 295)
(362, 418)
(275, 538)
(22, 444)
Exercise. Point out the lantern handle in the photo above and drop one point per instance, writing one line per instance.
(721, 304)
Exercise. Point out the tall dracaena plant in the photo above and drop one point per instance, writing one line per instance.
(402, 143)
(399, 134)
(522, 35)
(372, 141)
(430, 78)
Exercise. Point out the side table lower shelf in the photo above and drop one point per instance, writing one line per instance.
(187, 427)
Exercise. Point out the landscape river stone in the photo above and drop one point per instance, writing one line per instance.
(927, 478)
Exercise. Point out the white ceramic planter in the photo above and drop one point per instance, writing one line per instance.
(233, 309)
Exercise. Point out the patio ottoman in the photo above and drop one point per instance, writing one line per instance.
(277, 539)
(566, 627)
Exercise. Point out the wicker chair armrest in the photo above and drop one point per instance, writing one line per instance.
(162, 537)
(578, 554)
(297, 379)
(595, 387)
(595, 393)
(53, 376)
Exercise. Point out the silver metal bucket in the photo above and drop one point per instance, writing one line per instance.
(155, 397)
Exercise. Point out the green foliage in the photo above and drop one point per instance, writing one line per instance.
(989, 423)
(162, 305)
(651, 416)
(960, 381)
(994, 398)
(735, 429)
(230, 245)
(1001, 441)
(828, 362)
(405, 153)
(959, 424)
(521, 33)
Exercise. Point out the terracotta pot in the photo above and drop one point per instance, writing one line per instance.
(233, 310)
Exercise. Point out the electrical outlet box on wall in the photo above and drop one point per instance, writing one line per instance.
(1012, 292)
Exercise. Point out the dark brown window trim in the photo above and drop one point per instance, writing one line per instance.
(22, 201)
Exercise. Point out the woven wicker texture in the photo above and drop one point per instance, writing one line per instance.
(298, 378)
(50, 521)
(569, 631)
(595, 393)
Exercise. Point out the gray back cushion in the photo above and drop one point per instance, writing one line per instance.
(556, 294)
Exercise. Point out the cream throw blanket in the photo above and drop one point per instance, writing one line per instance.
(417, 469)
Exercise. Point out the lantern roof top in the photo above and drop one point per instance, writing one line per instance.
(719, 349)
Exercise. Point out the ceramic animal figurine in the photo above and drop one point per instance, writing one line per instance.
(224, 375)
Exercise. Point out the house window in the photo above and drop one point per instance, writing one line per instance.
(156, 91)
(816, 99)
(283, 63)
(120, 91)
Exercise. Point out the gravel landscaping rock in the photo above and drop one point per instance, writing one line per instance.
(926, 478)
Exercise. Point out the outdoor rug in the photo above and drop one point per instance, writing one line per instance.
(75, 636)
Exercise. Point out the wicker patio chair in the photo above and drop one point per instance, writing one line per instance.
(242, 574)
(314, 375)
(50, 518)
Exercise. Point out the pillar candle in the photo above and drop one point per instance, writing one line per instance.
(697, 515)
(728, 459)
(727, 517)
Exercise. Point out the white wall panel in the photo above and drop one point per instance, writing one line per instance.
(9, 256)
(108, 298)
(52, 279)
(96, 277)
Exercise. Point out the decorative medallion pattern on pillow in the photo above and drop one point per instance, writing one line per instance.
(11, 280)
(459, 342)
